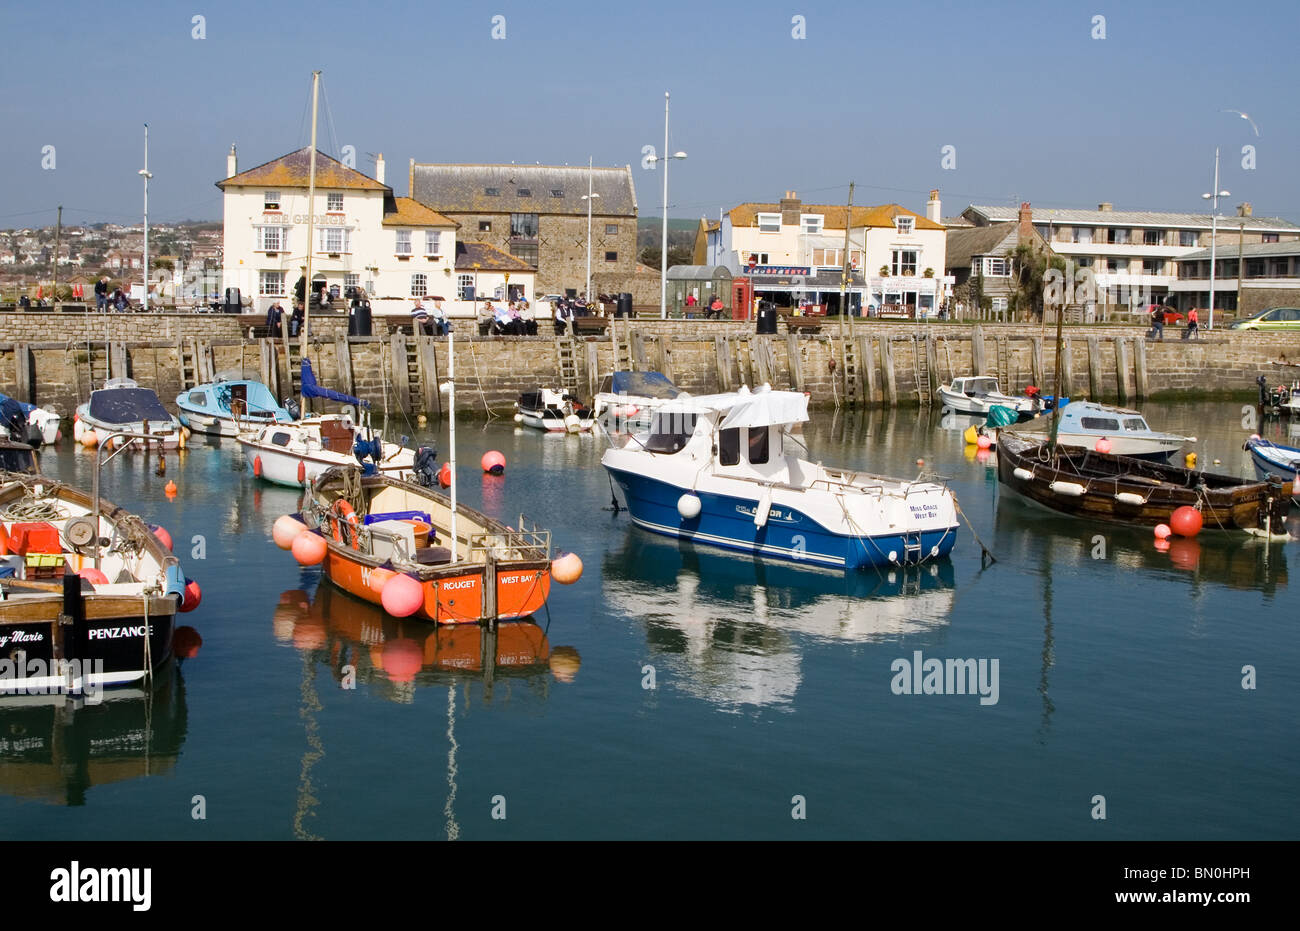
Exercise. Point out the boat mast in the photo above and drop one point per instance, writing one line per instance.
(451, 428)
(1056, 398)
(311, 216)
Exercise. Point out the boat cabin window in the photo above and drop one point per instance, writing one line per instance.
(1099, 423)
(198, 398)
(758, 445)
(1135, 424)
(729, 446)
(974, 386)
(280, 439)
(670, 431)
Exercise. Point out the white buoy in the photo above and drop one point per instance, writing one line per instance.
(1127, 497)
(689, 506)
(1069, 489)
(519, 418)
(572, 424)
(1023, 474)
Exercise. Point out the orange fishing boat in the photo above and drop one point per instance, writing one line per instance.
(466, 567)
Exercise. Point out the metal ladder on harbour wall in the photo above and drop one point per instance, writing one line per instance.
(921, 369)
(566, 364)
(415, 396)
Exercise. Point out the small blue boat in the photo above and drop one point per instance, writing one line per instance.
(1271, 459)
(227, 407)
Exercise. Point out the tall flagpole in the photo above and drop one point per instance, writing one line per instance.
(311, 217)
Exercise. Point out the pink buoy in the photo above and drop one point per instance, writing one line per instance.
(193, 595)
(567, 569)
(163, 536)
(402, 596)
(1162, 546)
(402, 658)
(983, 442)
(1102, 446)
(1186, 521)
(309, 548)
(1162, 531)
(285, 530)
(493, 462)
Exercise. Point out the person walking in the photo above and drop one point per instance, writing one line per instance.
(1193, 330)
(101, 294)
(1158, 324)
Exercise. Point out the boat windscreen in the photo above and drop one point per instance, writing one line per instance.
(1135, 425)
(981, 386)
(127, 405)
(643, 385)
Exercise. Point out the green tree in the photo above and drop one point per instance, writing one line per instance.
(1031, 265)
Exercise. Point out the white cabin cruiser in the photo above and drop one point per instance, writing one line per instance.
(979, 394)
(725, 469)
(1085, 423)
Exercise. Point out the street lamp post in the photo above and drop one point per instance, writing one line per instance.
(144, 173)
(589, 197)
(663, 248)
(1214, 196)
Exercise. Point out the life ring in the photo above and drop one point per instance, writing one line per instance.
(342, 511)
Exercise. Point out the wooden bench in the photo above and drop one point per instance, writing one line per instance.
(589, 325)
(804, 324)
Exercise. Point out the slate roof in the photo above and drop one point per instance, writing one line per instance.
(965, 244)
(1131, 218)
(403, 211)
(1250, 250)
(463, 189)
(833, 215)
(294, 171)
(488, 257)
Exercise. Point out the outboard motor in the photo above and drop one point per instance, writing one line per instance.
(291, 405)
(426, 467)
(12, 420)
(372, 449)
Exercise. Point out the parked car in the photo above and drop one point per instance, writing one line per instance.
(1172, 317)
(1274, 318)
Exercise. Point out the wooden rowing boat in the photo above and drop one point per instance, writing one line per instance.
(1084, 483)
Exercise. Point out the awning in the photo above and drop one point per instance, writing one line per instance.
(744, 408)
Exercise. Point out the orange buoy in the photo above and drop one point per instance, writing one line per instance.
(1162, 531)
(193, 595)
(170, 489)
(567, 569)
(257, 466)
(564, 663)
(920, 463)
(309, 548)
(1186, 521)
(444, 475)
(493, 462)
(163, 536)
(302, 472)
(93, 575)
(1102, 446)
(90, 439)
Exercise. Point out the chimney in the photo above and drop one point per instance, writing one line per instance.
(410, 180)
(790, 205)
(232, 163)
(1026, 220)
(1244, 210)
(379, 167)
(1105, 208)
(932, 208)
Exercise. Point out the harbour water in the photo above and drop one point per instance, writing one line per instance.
(1119, 674)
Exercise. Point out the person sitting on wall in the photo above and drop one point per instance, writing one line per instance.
(715, 308)
(275, 320)
(101, 294)
(295, 320)
(438, 318)
(484, 316)
(528, 318)
(420, 324)
(561, 315)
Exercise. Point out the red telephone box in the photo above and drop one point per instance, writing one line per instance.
(742, 298)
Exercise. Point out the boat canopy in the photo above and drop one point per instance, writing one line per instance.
(643, 385)
(310, 389)
(258, 397)
(127, 405)
(744, 408)
(976, 386)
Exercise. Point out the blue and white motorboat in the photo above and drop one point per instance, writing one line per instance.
(1270, 458)
(725, 469)
(1085, 423)
(123, 406)
(27, 423)
(226, 407)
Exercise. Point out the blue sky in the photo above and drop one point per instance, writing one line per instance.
(1035, 107)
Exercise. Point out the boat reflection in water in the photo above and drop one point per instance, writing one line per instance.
(54, 749)
(1236, 560)
(735, 621)
(396, 655)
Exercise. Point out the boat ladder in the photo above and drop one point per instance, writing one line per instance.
(912, 546)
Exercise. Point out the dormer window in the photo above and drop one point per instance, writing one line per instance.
(334, 202)
(769, 222)
(492, 191)
(525, 192)
(904, 225)
(271, 200)
(811, 222)
(556, 192)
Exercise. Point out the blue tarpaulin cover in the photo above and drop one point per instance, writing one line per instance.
(310, 389)
(644, 385)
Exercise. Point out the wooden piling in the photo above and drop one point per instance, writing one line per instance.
(593, 367)
(867, 365)
(722, 350)
(1036, 359)
(1094, 368)
(1140, 368)
(666, 356)
(266, 367)
(1121, 369)
(794, 361)
(636, 349)
(343, 362)
(976, 349)
(400, 377)
(428, 374)
(1067, 363)
(887, 364)
(23, 374)
(932, 365)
